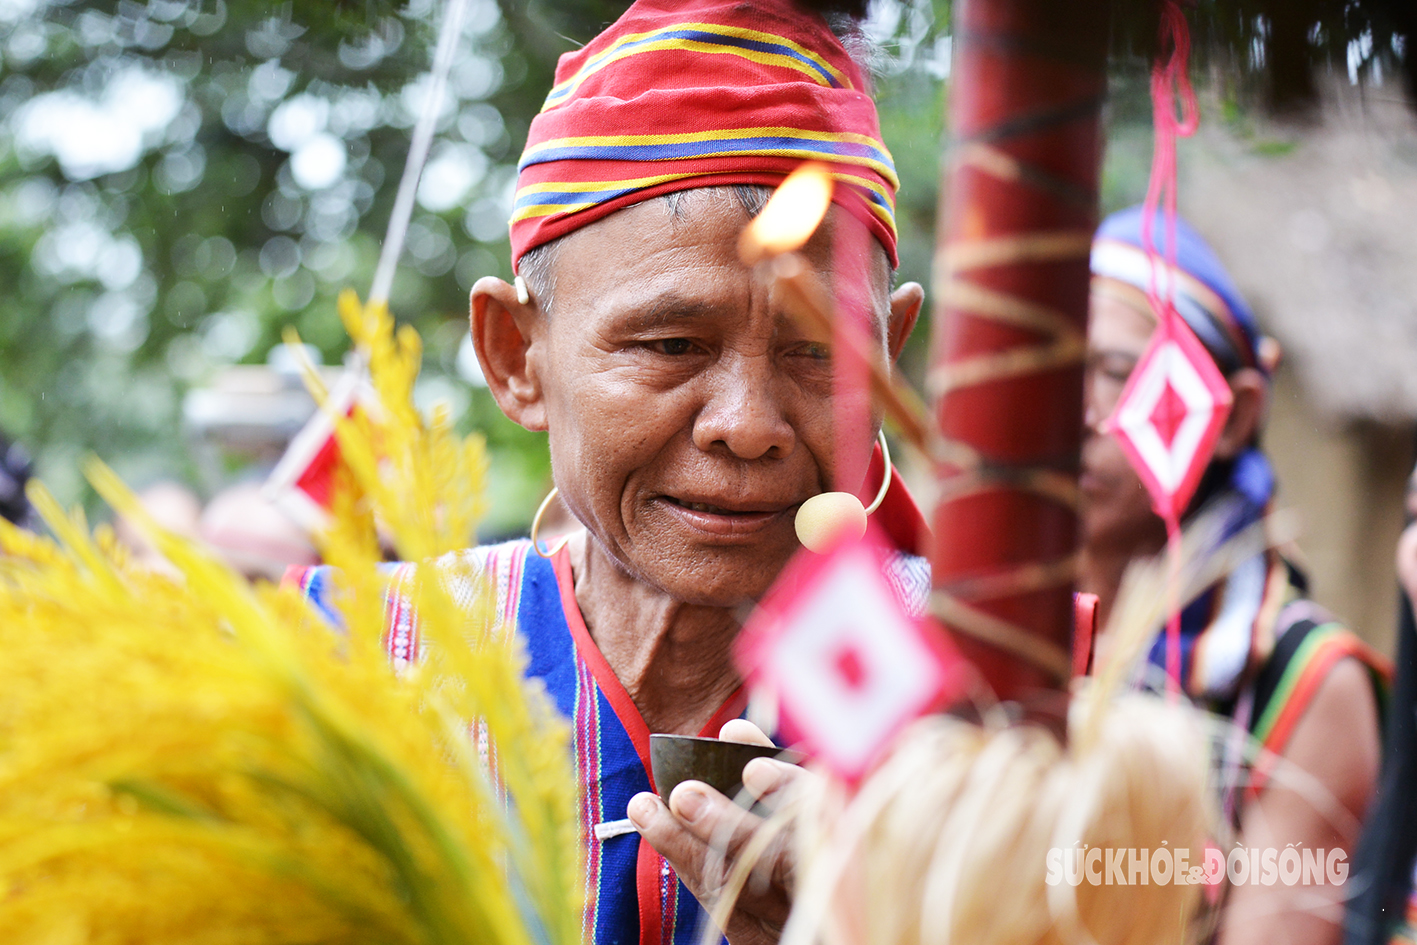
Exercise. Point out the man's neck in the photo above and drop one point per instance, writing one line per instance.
(674, 659)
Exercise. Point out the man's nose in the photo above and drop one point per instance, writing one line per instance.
(743, 410)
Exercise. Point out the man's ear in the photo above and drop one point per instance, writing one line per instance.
(1250, 390)
(905, 309)
(504, 334)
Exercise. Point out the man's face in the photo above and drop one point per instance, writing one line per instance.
(689, 415)
(1116, 508)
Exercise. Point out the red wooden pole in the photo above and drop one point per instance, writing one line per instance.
(1018, 210)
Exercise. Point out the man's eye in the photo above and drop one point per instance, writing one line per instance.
(818, 352)
(1112, 367)
(1119, 371)
(673, 346)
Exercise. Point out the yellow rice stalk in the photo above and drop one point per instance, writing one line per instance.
(197, 760)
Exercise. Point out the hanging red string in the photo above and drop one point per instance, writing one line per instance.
(1170, 82)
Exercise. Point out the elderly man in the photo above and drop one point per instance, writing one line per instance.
(688, 415)
(1253, 648)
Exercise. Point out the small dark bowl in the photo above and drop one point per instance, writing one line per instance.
(719, 764)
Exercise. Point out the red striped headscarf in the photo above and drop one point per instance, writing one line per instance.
(679, 94)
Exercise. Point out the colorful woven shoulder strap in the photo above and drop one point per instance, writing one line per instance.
(1304, 653)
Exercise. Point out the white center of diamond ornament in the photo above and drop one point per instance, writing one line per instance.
(849, 666)
(1170, 414)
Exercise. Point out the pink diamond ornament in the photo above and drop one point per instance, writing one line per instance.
(1170, 414)
(849, 666)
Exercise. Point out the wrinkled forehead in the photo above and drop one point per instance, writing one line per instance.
(689, 241)
(1119, 317)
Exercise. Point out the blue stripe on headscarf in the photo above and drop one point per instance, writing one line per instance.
(1195, 258)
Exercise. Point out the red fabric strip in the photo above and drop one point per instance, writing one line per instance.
(730, 710)
(615, 692)
(647, 868)
(1084, 631)
(898, 516)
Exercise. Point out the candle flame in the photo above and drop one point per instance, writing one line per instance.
(791, 216)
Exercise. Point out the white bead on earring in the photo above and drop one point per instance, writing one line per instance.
(830, 517)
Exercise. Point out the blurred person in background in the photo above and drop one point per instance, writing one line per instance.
(246, 530)
(1254, 649)
(239, 525)
(244, 418)
(172, 506)
(15, 471)
(1383, 909)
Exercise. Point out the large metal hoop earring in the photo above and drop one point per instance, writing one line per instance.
(536, 527)
(886, 478)
(824, 519)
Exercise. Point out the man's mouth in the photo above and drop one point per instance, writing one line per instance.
(723, 518)
(706, 507)
(716, 505)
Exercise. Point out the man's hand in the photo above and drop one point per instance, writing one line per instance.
(702, 833)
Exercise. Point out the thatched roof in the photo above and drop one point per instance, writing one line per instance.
(1316, 223)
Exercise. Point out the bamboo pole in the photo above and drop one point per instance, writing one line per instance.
(1018, 208)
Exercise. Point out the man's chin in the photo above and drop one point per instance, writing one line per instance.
(716, 577)
(1112, 533)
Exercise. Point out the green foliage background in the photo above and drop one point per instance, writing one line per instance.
(130, 279)
(127, 284)
(138, 271)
